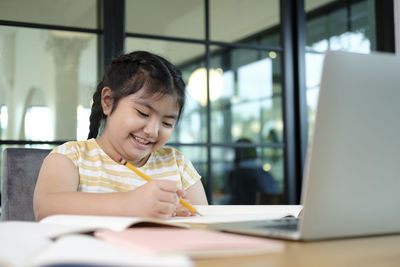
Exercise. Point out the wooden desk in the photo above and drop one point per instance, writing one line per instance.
(382, 251)
(366, 252)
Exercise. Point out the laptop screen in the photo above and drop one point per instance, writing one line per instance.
(352, 177)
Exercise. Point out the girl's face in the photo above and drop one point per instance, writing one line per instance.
(138, 126)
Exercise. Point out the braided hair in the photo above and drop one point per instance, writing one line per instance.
(129, 73)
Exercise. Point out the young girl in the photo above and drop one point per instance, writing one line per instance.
(137, 104)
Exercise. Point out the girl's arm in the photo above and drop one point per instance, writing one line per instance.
(56, 193)
(196, 195)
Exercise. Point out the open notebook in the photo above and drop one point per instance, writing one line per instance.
(196, 243)
(352, 178)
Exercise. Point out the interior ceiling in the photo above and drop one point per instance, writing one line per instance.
(59, 12)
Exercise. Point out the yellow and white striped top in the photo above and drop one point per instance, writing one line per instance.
(99, 173)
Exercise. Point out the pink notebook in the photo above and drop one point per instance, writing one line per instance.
(192, 242)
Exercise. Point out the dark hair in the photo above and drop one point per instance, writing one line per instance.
(129, 73)
(244, 153)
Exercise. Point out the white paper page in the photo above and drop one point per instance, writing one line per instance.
(236, 213)
(82, 249)
(95, 222)
(116, 223)
(36, 229)
(17, 248)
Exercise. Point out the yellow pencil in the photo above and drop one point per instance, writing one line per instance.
(147, 178)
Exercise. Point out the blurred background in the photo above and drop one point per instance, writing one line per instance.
(252, 70)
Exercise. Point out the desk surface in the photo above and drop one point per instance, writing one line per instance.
(366, 252)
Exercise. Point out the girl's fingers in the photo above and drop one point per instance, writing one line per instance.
(181, 193)
(165, 210)
(168, 186)
(168, 197)
(182, 211)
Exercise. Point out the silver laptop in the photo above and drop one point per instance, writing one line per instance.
(351, 184)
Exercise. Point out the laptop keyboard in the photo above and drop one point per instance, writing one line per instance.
(286, 224)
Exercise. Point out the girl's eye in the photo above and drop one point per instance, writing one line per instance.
(167, 124)
(142, 114)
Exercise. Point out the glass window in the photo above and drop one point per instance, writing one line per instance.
(189, 58)
(178, 18)
(247, 175)
(347, 26)
(246, 98)
(45, 70)
(3, 121)
(193, 124)
(38, 124)
(240, 21)
(314, 63)
(70, 13)
(83, 122)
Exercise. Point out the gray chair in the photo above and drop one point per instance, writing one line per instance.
(20, 169)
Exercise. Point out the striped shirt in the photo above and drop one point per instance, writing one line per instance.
(99, 173)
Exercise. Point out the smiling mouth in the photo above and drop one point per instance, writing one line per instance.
(141, 140)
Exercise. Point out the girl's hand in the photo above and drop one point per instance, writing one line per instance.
(156, 199)
(181, 210)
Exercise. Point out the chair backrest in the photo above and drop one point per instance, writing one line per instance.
(20, 169)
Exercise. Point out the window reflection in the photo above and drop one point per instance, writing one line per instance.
(45, 73)
(255, 79)
(3, 121)
(247, 175)
(350, 27)
(197, 84)
(38, 124)
(250, 102)
(83, 122)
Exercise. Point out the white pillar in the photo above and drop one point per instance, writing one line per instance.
(7, 69)
(66, 49)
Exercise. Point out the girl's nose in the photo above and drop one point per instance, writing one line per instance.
(151, 128)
